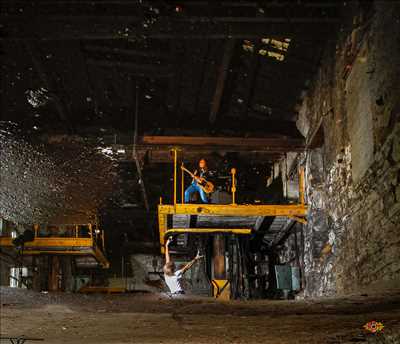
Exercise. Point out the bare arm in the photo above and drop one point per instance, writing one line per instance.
(167, 256)
(190, 264)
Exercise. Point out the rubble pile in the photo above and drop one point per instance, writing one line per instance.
(30, 189)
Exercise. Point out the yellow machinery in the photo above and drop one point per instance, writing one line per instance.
(297, 212)
(221, 289)
(89, 244)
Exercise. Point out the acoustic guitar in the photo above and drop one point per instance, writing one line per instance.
(204, 184)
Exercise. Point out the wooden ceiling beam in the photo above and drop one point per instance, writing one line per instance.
(256, 4)
(47, 27)
(145, 153)
(145, 70)
(222, 74)
(275, 144)
(127, 52)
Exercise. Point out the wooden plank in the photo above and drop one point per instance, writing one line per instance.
(222, 73)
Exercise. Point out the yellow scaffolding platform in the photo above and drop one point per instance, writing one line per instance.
(61, 246)
(297, 212)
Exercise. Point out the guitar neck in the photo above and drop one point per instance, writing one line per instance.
(190, 173)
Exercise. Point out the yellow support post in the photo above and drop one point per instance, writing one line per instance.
(182, 185)
(175, 166)
(301, 185)
(233, 189)
(162, 225)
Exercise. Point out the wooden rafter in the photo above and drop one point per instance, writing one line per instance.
(222, 74)
(48, 84)
(59, 27)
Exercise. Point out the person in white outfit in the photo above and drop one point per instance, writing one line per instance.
(173, 277)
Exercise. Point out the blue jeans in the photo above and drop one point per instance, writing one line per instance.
(195, 188)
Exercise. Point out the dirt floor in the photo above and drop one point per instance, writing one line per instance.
(149, 318)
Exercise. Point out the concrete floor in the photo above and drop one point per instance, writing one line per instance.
(146, 318)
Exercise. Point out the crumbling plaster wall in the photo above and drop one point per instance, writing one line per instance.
(353, 180)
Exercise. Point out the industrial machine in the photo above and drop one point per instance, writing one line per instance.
(55, 249)
(224, 233)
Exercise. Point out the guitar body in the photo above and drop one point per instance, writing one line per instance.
(204, 184)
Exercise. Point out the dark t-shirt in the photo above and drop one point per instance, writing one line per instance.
(202, 174)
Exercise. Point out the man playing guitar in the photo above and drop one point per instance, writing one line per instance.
(201, 174)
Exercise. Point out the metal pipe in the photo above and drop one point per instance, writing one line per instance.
(301, 185)
(182, 186)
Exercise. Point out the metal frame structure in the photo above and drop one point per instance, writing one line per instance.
(297, 212)
(75, 246)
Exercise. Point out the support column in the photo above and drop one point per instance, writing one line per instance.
(67, 276)
(221, 286)
(5, 274)
(36, 274)
(219, 257)
(54, 273)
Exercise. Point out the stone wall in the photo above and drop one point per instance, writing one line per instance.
(352, 239)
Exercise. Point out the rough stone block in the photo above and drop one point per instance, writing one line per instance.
(394, 210)
(398, 193)
(396, 149)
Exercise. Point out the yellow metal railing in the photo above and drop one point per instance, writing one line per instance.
(233, 182)
(75, 244)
